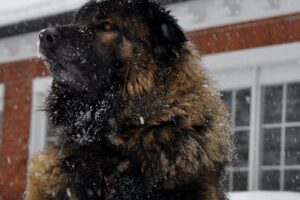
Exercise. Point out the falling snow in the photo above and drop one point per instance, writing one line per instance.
(280, 106)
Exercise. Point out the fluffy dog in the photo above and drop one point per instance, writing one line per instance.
(134, 110)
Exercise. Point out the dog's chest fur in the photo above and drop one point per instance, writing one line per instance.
(90, 163)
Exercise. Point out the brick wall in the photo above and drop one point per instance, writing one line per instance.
(18, 76)
(271, 31)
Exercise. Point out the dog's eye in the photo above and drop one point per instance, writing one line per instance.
(106, 26)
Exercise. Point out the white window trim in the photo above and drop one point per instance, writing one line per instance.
(40, 87)
(253, 68)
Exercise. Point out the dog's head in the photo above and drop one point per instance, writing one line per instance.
(111, 42)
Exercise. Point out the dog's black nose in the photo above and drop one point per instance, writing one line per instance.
(49, 36)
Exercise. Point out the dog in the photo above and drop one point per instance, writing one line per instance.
(135, 112)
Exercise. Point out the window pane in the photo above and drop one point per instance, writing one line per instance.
(292, 146)
(292, 180)
(271, 146)
(227, 98)
(240, 181)
(272, 104)
(270, 180)
(242, 115)
(242, 147)
(293, 103)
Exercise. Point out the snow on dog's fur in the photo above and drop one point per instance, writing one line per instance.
(133, 108)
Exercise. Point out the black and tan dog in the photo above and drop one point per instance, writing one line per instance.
(134, 110)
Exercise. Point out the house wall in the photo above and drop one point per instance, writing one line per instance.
(251, 34)
(17, 78)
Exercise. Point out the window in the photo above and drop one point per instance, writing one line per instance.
(238, 102)
(41, 134)
(261, 86)
(1, 110)
(280, 157)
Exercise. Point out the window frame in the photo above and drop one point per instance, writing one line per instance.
(283, 125)
(254, 69)
(38, 126)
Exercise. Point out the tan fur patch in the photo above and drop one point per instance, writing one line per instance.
(106, 37)
(141, 82)
(126, 50)
(140, 77)
(45, 178)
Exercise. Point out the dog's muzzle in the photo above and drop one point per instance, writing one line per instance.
(48, 37)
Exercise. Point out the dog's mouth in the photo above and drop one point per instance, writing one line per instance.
(62, 55)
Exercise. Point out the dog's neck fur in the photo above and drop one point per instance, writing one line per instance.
(80, 118)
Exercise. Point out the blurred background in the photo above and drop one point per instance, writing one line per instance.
(251, 49)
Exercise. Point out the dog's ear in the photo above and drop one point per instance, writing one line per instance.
(165, 33)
